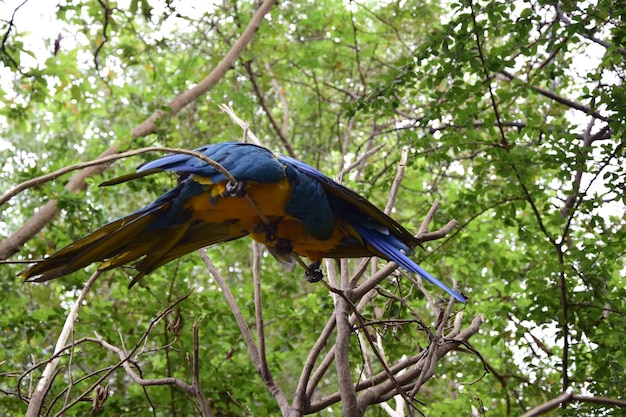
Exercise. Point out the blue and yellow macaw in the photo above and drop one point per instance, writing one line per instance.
(285, 204)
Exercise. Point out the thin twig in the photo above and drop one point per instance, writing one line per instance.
(507, 76)
(106, 161)
(423, 235)
(258, 309)
(328, 359)
(204, 406)
(283, 100)
(357, 162)
(379, 384)
(5, 38)
(395, 185)
(109, 371)
(281, 134)
(244, 125)
(302, 395)
(133, 375)
(234, 308)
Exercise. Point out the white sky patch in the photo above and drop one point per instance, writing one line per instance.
(37, 20)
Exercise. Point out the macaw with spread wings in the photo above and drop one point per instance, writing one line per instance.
(285, 204)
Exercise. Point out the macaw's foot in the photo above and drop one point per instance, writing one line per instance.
(314, 273)
(283, 246)
(271, 230)
(237, 189)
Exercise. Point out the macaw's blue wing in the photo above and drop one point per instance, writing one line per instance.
(363, 229)
(192, 215)
(243, 161)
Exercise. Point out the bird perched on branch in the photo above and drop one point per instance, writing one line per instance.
(240, 189)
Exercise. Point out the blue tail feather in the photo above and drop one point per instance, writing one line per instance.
(392, 249)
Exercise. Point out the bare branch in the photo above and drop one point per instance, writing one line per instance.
(379, 384)
(126, 365)
(253, 350)
(105, 161)
(197, 392)
(283, 100)
(234, 308)
(13, 243)
(266, 375)
(359, 161)
(342, 361)
(106, 372)
(302, 394)
(248, 134)
(36, 400)
(258, 308)
(567, 397)
(423, 235)
(507, 76)
(395, 185)
(327, 360)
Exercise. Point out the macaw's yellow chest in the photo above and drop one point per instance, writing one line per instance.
(213, 207)
(270, 200)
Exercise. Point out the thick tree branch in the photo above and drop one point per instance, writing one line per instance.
(149, 126)
(342, 346)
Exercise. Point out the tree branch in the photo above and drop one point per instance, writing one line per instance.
(342, 361)
(567, 397)
(507, 76)
(283, 100)
(379, 384)
(197, 392)
(36, 401)
(253, 350)
(257, 91)
(149, 126)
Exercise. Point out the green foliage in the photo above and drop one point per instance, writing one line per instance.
(495, 101)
